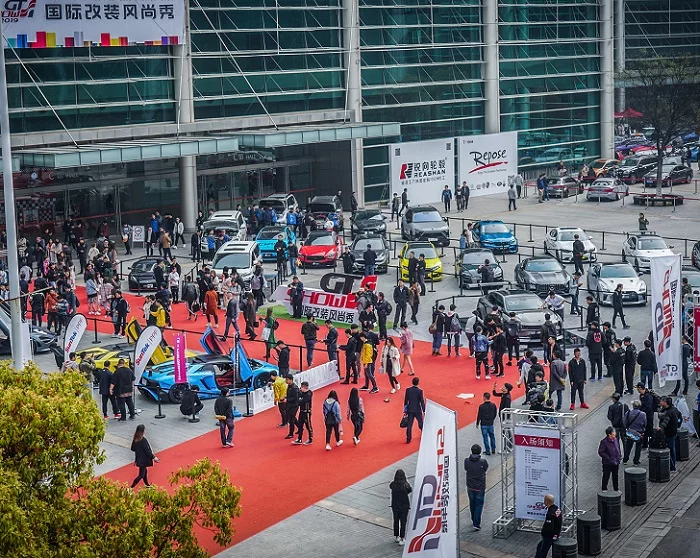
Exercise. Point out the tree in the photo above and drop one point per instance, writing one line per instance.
(666, 92)
(51, 506)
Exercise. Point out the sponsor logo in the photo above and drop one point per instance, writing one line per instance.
(488, 159)
(421, 170)
(14, 10)
(149, 342)
(79, 325)
(664, 315)
(339, 283)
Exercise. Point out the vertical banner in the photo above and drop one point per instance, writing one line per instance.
(74, 333)
(696, 338)
(488, 163)
(433, 525)
(27, 345)
(146, 344)
(424, 168)
(666, 316)
(179, 360)
(538, 466)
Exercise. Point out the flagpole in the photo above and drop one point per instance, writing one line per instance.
(16, 317)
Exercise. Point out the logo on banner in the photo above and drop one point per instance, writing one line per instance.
(423, 171)
(74, 333)
(488, 159)
(146, 345)
(179, 360)
(15, 9)
(664, 315)
(339, 283)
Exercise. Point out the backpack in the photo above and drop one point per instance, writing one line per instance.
(488, 275)
(551, 330)
(656, 401)
(389, 308)
(512, 329)
(331, 419)
(455, 325)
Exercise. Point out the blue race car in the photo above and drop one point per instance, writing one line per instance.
(267, 237)
(210, 372)
(496, 236)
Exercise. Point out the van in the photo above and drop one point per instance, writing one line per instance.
(244, 256)
(231, 222)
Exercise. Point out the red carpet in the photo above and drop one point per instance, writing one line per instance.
(278, 479)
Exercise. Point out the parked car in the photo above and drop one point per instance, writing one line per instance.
(467, 267)
(283, 204)
(641, 246)
(231, 222)
(368, 221)
(695, 255)
(554, 155)
(633, 168)
(321, 248)
(600, 167)
(378, 244)
(693, 276)
(41, 339)
(242, 255)
(141, 276)
(528, 310)
(602, 279)
(562, 186)
(541, 275)
(607, 188)
(433, 263)
(559, 242)
(321, 207)
(495, 235)
(424, 222)
(671, 174)
(267, 238)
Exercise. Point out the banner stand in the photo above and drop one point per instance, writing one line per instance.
(551, 439)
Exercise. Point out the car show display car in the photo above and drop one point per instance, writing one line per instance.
(366, 221)
(380, 247)
(641, 246)
(528, 311)
(433, 263)
(424, 222)
(243, 256)
(563, 186)
(633, 168)
(141, 274)
(603, 278)
(283, 204)
(671, 174)
(541, 275)
(321, 248)
(468, 264)
(42, 340)
(599, 168)
(607, 188)
(495, 235)
(559, 242)
(326, 208)
(267, 238)
(230, 222)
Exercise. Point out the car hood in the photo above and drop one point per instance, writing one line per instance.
(628, 284)
(568, 246)
(267, 245)
(541, 277)
(431, 227)
(360, 255)
(652, 253)
(35, 331)
(369, 224)
(497, 236)
(473, 270)
(535, 318)
(315, 250)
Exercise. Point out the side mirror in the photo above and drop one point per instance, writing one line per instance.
(444, 219)
(671, 246)
(128, 267)
(640, 274)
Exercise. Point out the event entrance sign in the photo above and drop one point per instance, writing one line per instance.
(537, 471)
(423, 168)
(666, 323)
(488, 163)
(87, 23)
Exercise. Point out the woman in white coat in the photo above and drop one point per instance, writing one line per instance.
(391, 363)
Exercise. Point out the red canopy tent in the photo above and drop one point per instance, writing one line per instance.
(629, 113)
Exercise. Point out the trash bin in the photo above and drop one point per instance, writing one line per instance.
(683, 445)
(588, 534)
(659, 465)
(565, 548)
(610, 510)
(635, 486)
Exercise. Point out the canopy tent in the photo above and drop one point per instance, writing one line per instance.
(628, 113)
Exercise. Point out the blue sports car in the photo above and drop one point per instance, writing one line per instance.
(496, 236)
(267, 237)
(210, 372)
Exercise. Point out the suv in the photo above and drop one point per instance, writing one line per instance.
(640, 247)
(283, 204)
(242, 255)
(424, 222)
(633, 168)
(322, 206)
(231, 222)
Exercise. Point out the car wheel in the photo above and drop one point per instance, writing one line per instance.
(624, 257)
(175, 393)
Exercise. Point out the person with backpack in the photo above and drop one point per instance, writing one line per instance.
(453, 330)
(189, 295)
(594, 344)
(332, 418)
(511, 327)
(649, 405)
(635, 424)
(383, 309)
(437, 328)
(367, 357)
(557, 375)
(487, 276)
(616, 416)
(481, 349)
(670, 420)
(630, 363)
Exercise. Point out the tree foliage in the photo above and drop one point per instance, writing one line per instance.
(51, 506)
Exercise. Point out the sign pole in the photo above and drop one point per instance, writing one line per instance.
(16, 317)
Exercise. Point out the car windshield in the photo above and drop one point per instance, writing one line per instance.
(268, 233)
(617, 272)
(426, 217)
(543, 265)
(477, 258)
(277, 205)
(652, 244)
(603, 183)
(375, 243)
(553, 181)
(428, 251)
(491, 228)
(667, 168)
(568, 236)
(693, 279)
(220, 226)
(143, 266)
(630, 162)
(598, 164)
(518, 303)
(321, 208)
(319, 240)
(373, 215)
(239, 261)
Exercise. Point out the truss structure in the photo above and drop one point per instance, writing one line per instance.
(566, 425)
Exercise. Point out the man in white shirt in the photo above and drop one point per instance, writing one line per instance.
(556, 304)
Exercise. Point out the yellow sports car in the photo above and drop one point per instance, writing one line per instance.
(433, 264)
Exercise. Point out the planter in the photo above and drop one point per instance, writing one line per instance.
(653, 199)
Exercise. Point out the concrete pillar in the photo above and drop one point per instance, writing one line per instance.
(353, 104)
(620, 52)
(492, 112)
(607, 94)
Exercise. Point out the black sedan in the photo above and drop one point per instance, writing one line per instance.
(141, 275)
(670, 175)
(380, 247)
(365, 221)
(467, 267)
(633, 168)
(541, 275)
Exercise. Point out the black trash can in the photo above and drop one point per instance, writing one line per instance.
(610, 510)
(565, 548)
(588, 534)
(659, 465)
(683, 445)
(635, 486)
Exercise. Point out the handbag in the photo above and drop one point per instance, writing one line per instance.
(220, 417)
(632, 435)
(404, 421)
(265, 335)
(432, 328)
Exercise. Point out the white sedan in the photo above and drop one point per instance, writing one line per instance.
(559, 242)
(640, 247)
(603, 279)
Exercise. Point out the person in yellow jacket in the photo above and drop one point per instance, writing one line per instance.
(158, 314)
(279, 388)
(367, 360)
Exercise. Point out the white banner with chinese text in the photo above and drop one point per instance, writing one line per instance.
(424, 168)
(666, 316)
(537, 470)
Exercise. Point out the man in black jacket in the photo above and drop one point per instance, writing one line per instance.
(370, 259)
(630, 363)
(331, 342)
(291, 403)
(401, 300)
(476, 467)
(551, 529)
(647, 365)
(577, 377)
(592, 311)
(310, 330)
(484, 419)
(367, 318)
(106, 381)
(421, 267)
(383, 308)
(348, 260)
(296, 293)
(594, 343)
(414, 403)
(305, 400)
(617, 364)
(647, 400)
(608, 341)
(579, 250)
(351, 348)
(669, 420)
(411, 268)
(123, 389)
(617, 306)
(616, 416)
(280, 248)
(282, 358)
(223, 410)
(191, 405)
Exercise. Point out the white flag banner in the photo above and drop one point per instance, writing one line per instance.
(684, 410)
(433, 525)
(74, 333)
(146, 344)
(666, 316)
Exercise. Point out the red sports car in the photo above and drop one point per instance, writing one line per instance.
(321, 248)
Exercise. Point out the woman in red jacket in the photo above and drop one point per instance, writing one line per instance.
(211, 303)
